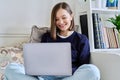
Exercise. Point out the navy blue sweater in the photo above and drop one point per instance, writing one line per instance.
(79, 45)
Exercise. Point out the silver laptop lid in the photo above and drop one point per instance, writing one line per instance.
(47, 58)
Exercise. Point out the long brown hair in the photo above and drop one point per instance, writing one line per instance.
(54, 29)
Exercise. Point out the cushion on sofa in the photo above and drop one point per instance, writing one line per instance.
(36, 33)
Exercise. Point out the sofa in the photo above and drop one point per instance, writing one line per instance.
(107, 62)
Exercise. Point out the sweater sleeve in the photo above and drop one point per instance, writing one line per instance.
(84, 49)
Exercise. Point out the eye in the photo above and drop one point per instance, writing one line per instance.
(56, 19)
(64, 17)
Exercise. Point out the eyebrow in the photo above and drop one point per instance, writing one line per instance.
(62, 16)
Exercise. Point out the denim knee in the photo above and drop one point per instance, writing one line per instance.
(88, 70)
(15, 71)
(15, 67)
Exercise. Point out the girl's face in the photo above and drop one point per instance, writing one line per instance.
(63, 19)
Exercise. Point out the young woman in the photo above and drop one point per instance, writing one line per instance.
(62, 30)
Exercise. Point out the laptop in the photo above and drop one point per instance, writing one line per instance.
(47, 59)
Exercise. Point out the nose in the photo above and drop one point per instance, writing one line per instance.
(60, 21)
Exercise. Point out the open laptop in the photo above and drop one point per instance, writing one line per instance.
(47, 59)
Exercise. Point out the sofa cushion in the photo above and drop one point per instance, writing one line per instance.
(36, 33)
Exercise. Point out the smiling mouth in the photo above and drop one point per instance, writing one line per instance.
(62, 26)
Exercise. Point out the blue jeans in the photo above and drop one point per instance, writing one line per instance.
(16, 71)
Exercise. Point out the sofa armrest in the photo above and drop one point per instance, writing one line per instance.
(108, 63)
